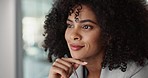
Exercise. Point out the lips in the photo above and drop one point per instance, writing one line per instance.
(76, 47)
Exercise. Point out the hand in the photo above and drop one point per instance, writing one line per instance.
(62, 68)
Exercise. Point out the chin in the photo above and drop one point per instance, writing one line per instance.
(77, 57)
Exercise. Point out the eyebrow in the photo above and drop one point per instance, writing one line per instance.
(83, 21)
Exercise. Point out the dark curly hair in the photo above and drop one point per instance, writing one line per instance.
(124, 25)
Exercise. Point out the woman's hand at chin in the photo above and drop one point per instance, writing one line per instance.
(62, 68)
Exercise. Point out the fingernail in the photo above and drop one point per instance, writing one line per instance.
(84, 63)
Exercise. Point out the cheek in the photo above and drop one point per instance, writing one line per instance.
(95, 46)
(96, 40)
(93, 41)
(66, 35)
(93, 38)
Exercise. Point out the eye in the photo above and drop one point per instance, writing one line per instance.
(87, 27)
(70, 26)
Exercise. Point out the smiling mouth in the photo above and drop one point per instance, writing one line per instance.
(75, 47)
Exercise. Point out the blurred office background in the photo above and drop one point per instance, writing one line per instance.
(35, 63)
(21, 29)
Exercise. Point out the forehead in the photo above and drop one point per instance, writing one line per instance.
(84, 13)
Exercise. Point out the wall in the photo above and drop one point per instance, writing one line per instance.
(7, 39)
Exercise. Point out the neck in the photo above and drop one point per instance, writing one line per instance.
(94, 66)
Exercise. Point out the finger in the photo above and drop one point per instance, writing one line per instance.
(62, 66)
(59, 71)
(76, 66)
(72, 60)
(68, 64)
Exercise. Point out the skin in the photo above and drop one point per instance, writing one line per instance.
(84, 42)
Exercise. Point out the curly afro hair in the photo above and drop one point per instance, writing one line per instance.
(124, 25)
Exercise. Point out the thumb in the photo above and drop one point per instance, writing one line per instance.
(76, 66)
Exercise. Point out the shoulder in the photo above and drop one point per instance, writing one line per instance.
(135, 71)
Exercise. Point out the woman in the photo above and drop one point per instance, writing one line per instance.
(97, 38)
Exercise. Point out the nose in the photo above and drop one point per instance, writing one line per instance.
(75, 35)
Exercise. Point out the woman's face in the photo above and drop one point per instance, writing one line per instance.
(83, 36)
